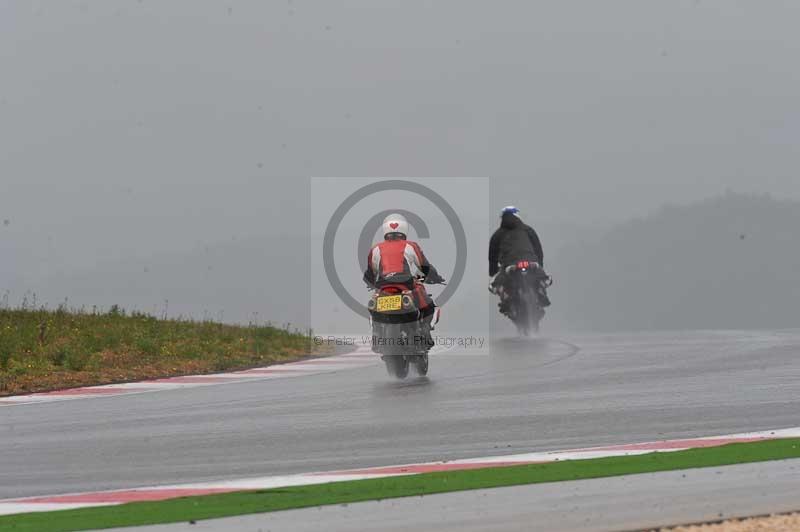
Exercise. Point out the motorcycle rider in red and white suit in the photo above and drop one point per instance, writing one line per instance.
(398, 261)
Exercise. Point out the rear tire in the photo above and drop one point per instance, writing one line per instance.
(528, 312)
(534, 312)
(521, 312)
(396, 365)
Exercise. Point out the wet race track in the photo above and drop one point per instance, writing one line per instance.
(519, 395)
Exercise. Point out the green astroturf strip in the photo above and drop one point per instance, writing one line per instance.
(239, 503)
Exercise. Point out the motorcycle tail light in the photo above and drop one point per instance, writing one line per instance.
(523, 265)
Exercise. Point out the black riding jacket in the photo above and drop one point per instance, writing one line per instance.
(513, 241)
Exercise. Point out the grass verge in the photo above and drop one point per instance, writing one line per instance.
(240, 503)
(44, 350)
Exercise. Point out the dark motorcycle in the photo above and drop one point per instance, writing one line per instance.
(400, 329)
(522, 283)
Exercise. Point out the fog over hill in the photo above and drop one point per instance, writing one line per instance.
(732, 261)
(728, 262)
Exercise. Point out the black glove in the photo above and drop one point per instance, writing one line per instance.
(433, 277)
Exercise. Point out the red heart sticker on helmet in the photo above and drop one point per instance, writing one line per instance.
(394, 225)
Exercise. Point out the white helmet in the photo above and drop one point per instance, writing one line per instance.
(395, 223)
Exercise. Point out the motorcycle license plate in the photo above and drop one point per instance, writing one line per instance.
(386, 303)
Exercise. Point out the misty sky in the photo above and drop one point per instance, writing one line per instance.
(136, 128)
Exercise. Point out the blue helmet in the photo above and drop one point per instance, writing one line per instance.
(510, 210)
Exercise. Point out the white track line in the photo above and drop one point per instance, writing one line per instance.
(361, 357)
(104, 498)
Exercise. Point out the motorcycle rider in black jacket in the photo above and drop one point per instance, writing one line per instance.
(513, 241)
